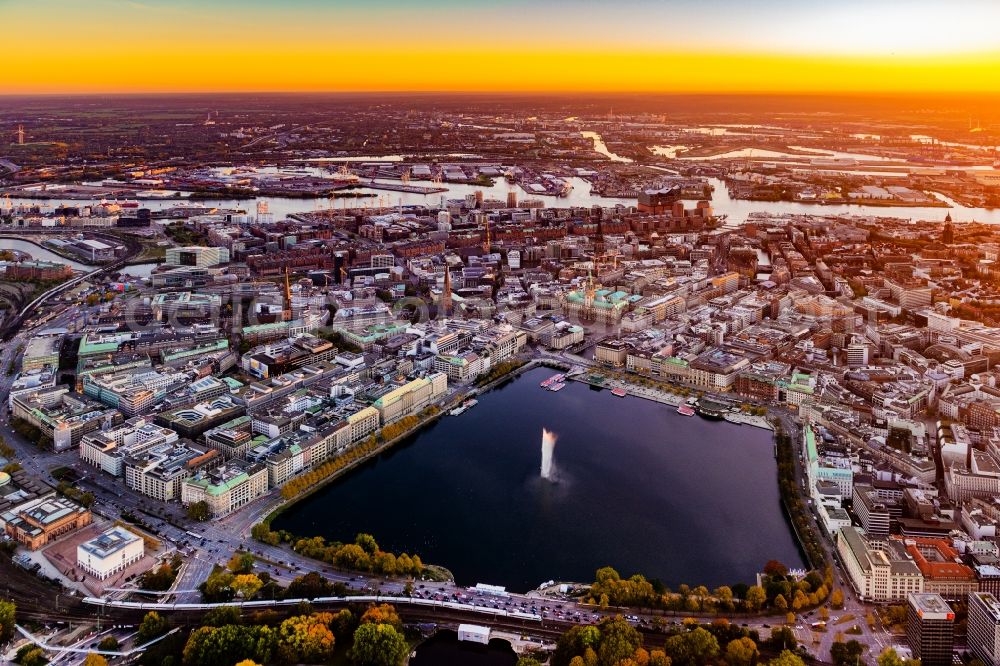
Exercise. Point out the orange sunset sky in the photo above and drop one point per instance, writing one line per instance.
(96, 46)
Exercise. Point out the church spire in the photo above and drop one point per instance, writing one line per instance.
(446, 292)
(288, 297)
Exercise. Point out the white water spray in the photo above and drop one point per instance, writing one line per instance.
(548, 445)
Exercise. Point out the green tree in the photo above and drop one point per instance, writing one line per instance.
(367, 543)
(384, 563)
(619, 641)
(220, 616)
(8, 618)
(31, 655)
(780, 603)
(378, 645)
(692, 648)
(246, 585)
(241, 562)
(159, 579)
(262, 532)
(528, 661)
(658, 658)
(108, 644)
(224, 646)
(306, 638)
(574, 643)
(837, 598)
(152, 626)
(309, 586)
(343, 623)
(218, 587)
(786, 658)
(741, 652)
(724, 597)
(382, 614)
(755, 598)
(782, 638)
(847, 654)
(94, 659)
(199, 511)
(889, 657)
(352, 556)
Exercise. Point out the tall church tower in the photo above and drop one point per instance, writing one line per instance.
(287, 314)
(948, 235)
(446, 293)
(590, 293)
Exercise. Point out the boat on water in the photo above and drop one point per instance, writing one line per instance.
(554, 379)
(464, 407)
(685, 410)
(558, 386)
(620, 392)
(125, 203)
(711, 410)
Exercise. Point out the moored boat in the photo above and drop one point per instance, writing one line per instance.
(464, 407)
(711, 410)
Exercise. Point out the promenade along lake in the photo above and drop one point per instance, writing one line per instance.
(634, 485)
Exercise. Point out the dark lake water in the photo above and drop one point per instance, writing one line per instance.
(444, 649)
(637, 486)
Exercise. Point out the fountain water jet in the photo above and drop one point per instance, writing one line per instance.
(548, 445)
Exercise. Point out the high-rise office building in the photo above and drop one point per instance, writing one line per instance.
(983, 631)
(930, 628)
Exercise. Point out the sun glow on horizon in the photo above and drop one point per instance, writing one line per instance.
(108, 46)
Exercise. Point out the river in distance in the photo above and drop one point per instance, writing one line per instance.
(636, 486)
(736, 210)
(40, 253)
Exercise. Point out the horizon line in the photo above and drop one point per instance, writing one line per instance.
(519, 93)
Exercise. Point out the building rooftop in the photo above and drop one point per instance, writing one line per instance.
(931, 606)
(109, 542)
